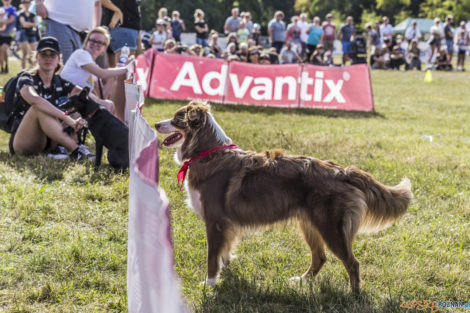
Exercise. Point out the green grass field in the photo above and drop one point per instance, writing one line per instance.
(63, 226)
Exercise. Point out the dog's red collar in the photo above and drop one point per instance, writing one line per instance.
(184, 169)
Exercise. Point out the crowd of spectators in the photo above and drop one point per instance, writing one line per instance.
(301, 41)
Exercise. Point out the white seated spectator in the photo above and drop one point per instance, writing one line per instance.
(159, 36)
(413, 60)
(82, 70)
(264, 58)
(230, 50)
(214, 46)
(289, 55)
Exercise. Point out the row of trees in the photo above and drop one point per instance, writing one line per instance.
(262, 11)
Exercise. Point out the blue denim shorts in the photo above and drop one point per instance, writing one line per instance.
(24, 37)
(121, 36)
(201, 41)
(450, 45)
(346, 47)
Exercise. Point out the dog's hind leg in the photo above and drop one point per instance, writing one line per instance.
(231, 240)
(317, 247)
(338, 237)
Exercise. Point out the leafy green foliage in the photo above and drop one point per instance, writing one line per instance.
(216, 11)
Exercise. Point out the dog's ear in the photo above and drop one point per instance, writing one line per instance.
(196, 117)
(84, 93)
(206, 105)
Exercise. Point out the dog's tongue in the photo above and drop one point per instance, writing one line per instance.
(172, 139)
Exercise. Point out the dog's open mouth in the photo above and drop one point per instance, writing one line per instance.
(174, 137)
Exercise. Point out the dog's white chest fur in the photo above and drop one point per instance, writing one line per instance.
(194, 199)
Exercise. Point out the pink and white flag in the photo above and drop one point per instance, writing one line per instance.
(152, 284)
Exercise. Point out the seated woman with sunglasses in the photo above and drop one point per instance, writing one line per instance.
(39, 124)
(82, 70)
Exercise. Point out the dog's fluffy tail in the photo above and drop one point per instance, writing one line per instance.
(385, 204)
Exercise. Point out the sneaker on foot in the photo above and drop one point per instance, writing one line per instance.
(82, 154)
(58, 153)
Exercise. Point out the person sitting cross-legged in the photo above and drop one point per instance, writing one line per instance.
(39, 124)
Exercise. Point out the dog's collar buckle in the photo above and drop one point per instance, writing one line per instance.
(184, 169)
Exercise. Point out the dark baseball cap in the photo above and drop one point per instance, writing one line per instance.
(48, 43)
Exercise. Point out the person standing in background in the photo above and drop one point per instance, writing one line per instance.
(345, 34)
(243, 33)
(303, 24)
(437, 33)
(248, 22)
(123, 19)
(386, 30)
(449, 36)
(374, 37)
(293, 34)
(277, 31)
(202, 30)
(315, 33)
(177, 26)
(65, 20)
(27, 22)
(462, 44)
(412, 33)
(329, 31)
(232, 23)
(5, 35)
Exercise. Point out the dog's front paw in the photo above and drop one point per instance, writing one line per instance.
(296, 279)
(209, 282)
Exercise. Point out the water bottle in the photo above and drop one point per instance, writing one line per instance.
(124, 56)
(2, 94)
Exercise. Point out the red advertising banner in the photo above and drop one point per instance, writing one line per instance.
(272, 85)
(187, 77)
(182, 77)
(342, 88)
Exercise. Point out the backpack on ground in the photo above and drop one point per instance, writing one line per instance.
(8, 105)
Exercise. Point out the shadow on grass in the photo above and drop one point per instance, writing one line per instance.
(274, 110)
(49, 170)
(235, 294)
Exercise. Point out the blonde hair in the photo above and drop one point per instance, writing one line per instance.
(162, 12)
(100, 29)
(197, 13)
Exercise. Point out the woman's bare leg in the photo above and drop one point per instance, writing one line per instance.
(36, 126)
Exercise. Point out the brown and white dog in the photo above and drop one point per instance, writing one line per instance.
(233, 190)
